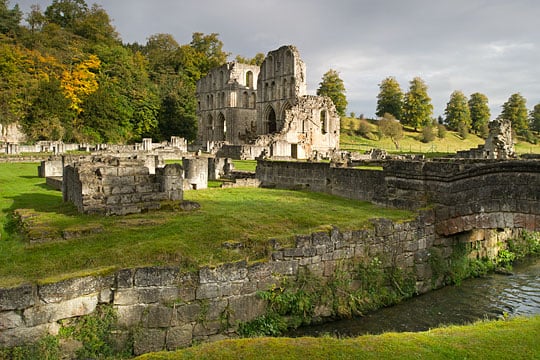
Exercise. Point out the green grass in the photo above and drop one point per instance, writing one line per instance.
(411, 142)
(188, 239)
(245, 165)
(511, 339)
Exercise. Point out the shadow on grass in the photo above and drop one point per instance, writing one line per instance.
(41, 202)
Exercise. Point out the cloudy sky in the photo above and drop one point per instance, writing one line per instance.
(487, 46)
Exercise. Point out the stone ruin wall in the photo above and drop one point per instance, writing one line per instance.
(465, 195)
(119, 186)
(163, 308)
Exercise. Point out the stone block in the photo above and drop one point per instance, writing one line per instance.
(286, 267)
(10, 320)
(53, 312)
(148, 340)
(157, 316)
(185, 313)
(72, 288)
(226, 272)
(208, 291)
(156, 276)
(26, 335)
(17, 298)
(179, 337)
(245, 308)
(130, 315)
(206, 328)
(124, 278)
(321, 238)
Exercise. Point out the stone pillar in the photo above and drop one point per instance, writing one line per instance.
(12, 149)
(147, 144)
(196, 172)
(172, 182)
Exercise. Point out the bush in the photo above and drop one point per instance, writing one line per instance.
(364, 128)
(441, 131)
(427, 134)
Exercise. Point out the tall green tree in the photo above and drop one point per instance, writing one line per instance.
(333, 87)
(417, 107)
(458, 116)
(535, 118)
(390, 98)
(177, 112)
(50, 117)
(9, 18)
(209, 50)
(515, 110)
(480, 113)
(66, 13)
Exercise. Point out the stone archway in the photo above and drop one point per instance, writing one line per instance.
(221, 128)
(271, 121)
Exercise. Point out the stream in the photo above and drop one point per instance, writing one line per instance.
(490, 297)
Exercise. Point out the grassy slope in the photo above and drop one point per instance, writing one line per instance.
(512, 339)
(163, 237)
(451, 143)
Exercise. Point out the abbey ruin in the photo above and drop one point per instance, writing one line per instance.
(476, 201)
(248, 111)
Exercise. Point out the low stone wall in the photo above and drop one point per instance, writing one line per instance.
(464, 194)
(119, 186)
(166, 308)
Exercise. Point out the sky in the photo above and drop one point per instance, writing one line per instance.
(486, 46)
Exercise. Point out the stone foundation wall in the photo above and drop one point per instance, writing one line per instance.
(119, 186)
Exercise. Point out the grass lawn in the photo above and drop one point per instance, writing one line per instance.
(188, 239)
(511, 339)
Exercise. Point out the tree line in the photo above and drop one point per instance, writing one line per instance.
(66, 75)
(462, 114)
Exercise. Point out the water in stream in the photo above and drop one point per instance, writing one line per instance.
(493, 296)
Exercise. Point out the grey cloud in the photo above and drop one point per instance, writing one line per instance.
(488, 46)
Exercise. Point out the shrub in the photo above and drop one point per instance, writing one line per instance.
(427, 134)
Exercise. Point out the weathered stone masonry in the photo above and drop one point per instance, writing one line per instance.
(119, 186)
(171, 309)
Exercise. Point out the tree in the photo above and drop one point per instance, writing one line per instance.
(333, 87)
(50, 116)
(257, 60)
(390, 127)
(66, 13)
(9, 18)
(209, 50)
(457, 112)
(177, 114)
(535, 118)
(390, 98)
(417, 107)
(480, 114)
(96, 26)
(515, 110)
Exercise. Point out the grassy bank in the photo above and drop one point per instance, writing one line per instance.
(411, 141)
(189, 239)
(511, 339)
